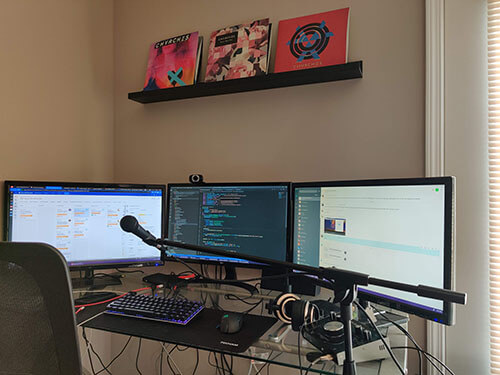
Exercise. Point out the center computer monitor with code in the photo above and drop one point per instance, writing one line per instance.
(246, 218)
(400, 230)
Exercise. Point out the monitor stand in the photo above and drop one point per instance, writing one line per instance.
(90, 281)
(230, 272)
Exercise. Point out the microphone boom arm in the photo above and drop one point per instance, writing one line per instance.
(338, 275)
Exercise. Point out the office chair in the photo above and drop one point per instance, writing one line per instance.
(37, 321)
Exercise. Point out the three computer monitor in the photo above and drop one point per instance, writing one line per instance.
(399, 230)
(82, 220)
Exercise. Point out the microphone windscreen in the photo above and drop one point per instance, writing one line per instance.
(128, 223)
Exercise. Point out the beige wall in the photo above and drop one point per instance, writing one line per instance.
(56, 101)
(373, 127)
(368, 128)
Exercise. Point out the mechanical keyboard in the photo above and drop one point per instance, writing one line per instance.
(170, 310)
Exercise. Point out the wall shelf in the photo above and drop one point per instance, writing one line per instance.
(269, 81)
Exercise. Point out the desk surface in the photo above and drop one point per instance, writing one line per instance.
(202, 333)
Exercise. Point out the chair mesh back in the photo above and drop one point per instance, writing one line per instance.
(37, 321)
(26, 338)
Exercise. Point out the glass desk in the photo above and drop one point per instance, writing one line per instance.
(279, 345)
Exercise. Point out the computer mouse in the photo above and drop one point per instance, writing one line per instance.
(231, 322)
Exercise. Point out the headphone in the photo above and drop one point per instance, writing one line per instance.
(319, 321)
(290, 309)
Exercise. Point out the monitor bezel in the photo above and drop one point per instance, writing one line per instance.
(91, 266)
(288, 249)
(448, 315)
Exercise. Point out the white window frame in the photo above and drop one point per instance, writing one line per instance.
(434, 132)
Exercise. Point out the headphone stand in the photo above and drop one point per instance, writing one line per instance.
(280, 333)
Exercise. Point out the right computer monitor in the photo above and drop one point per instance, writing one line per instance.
(399, 229)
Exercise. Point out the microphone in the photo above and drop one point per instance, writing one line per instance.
(130, 224)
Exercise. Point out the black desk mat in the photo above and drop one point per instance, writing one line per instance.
(201, 332)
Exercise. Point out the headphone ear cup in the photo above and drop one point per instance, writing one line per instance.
(314, 314)
(299, 314)
(304, 312)
(282, 307)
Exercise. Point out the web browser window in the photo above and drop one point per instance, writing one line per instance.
(84, 223)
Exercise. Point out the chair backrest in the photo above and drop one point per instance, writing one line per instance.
(37, 321)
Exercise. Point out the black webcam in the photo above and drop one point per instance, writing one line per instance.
(196, 178)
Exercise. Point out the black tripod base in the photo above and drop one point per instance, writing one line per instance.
(349, 368)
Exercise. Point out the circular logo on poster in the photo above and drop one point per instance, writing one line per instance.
(309, 41)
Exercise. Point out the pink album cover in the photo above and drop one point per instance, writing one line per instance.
(173, 62)
(238, 51)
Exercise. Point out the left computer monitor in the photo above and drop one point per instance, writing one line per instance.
(82, 220)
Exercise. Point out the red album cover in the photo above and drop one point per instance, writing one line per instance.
(173, 62)
(312, 41)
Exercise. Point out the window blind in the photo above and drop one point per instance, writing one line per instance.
(494, 178)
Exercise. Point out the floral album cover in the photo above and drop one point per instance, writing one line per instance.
(238, 51)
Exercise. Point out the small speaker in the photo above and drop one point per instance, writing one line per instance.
(196, 178)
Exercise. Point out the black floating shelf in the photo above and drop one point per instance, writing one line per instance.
(264, 82)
